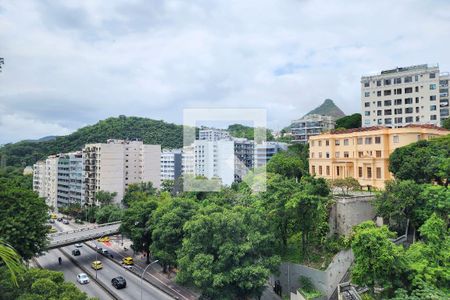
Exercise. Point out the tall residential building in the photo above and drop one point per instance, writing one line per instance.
(310, 125)
(212, 134)
(244, 156)
(112, 166)
(70, 179)
(171, 164)
(265, 151)
(363, 153)
(406, 95)
(51, 180)
(39, 178)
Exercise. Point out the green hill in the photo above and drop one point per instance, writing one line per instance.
(150, 131)
(328, 108)
(242, 131)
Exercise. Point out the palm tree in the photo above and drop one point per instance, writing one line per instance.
(11, 259)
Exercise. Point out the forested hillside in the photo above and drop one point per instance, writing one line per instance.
(150, 131)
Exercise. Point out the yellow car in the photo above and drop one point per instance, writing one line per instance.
(53, 216)
(97, 265)
(103, 239)
(128, 261)
(52, 230)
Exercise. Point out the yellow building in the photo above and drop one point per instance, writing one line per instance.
(363, 153)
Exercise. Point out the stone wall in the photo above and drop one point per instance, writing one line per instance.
(350, 211)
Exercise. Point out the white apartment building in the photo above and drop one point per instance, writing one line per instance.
(310, 125)
(212, 134)
(171, 164)
(405, 95)
(265, 151)
(39, 178)
(244, 157)
(112, 166)
(70, 179)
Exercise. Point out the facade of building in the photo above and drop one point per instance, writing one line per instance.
(363, 153)
(407, 95)
(51, 181)
(212, 134)
(112, 166)
(310, 125)
(39, 178)
(244, 158)
(70, 179)
(171, 164)
(265, 151)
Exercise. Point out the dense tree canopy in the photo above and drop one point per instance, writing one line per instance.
(288, 164)
(425, 161)
(108, 214)
(242, 131)
(138, 191)
(348, 122)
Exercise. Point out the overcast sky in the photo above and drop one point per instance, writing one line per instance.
(72, 63)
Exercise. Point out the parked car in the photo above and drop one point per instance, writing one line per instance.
(52, 230)
(53, 216)
(96, 265)
(76, 252)
(65, 221)
(59, 219)
(82, 278)
(78, 245)
(51, 221)
(119, 282)
(128, 261)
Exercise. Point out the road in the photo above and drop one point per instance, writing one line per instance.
(50, 261)
(111, 270)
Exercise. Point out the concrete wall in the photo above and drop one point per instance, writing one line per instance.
(350, 211)
(324, 281)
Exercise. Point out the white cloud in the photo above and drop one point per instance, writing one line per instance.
(75, 63)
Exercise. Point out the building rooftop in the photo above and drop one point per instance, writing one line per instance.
(373, 128)
(422, 67)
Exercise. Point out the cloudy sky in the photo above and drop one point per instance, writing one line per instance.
(72, 63)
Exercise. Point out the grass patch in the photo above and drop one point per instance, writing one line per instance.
(311, 294)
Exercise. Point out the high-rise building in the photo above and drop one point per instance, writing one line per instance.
(265, 151)
(39, 178)
(212, 134)
(112, 166)
(407, 95)
(51, 180)
(244, 157)
(70, 179)
(171, 164)
(363, 153)
(310, 125)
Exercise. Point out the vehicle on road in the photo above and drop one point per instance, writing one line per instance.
(59, 219)
(128, 261)
(51, 221)
(82, 278)
(128, 267)
(53, 216)
(103, 239)
(76, 252)
(78, 245)
(103, 251)
(65, 221)
(119, 282)
(52, 230)
(97, 265)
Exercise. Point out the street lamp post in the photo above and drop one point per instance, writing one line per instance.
(142, 276)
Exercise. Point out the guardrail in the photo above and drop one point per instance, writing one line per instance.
(82, 229)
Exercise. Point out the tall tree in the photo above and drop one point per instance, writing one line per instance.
(23, 218)
(105, 197)
(287, 164)
(227, 253)
(348, 122)
(138, 191)
(137, 226)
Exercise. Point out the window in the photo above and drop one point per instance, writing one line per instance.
(366, 94)
(320, 154)
(409, 119)
(387, 81)
(432, 75)
(337, 142)
(433, 118)
(313, 170)
(312, 154)
(320, 170)
(408, 100)
(378, 172)
(346, 154)
(368, 140)
(408, 90)
(417, 89)
(397, 80)
(379, 112)
(398, 120)
(360, 154)
(387, 92)
(433, 107)
(388, 121)
(345, 142)
(327, 170)
(366, 84)
(395, 138)
(379, 104)
(432, 97)
(377, 140)
(338, 171)
(369, 172)
(398, 102)
(417, 99)
(417, 119)
(320, 143)
(379, 93)
(327, 155)
(416, 77)
(378, 153)
(367, 104)
(387, 102)
(337, 154)
(408, 110)
(408, 79)
(398, 111)
(378, 82)
(397, 91)
(367, 113)
(432, 86)
(360, 172)
(327, 143)
(388, 112)
(360, 141)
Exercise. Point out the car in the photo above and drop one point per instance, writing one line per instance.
(127, 260)
(128, 267)
(51, 221)
(82, 278)
(102, 251)
(78, 245)
(97, 265)
(76, 252)
(59, 219)
(103, 239)
(52, 230)
(65, 222)
(119, 282)
(53, 216)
